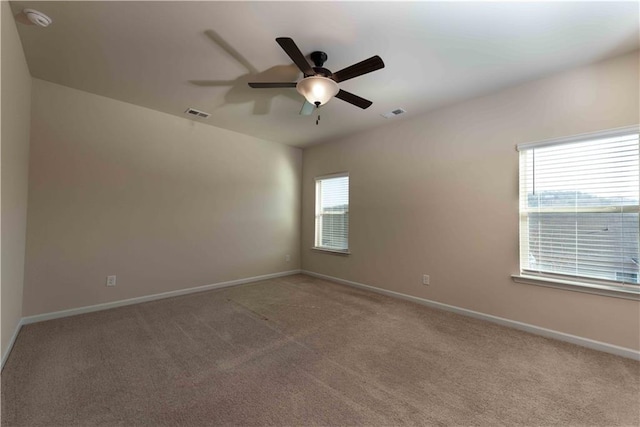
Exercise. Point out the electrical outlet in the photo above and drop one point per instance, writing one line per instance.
(287, 258)
(425, 279)
(111, 280)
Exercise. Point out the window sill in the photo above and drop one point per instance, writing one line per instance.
(332, 251)
(569, 285)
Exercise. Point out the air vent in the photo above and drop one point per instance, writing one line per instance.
(394, 113)
(197, 113)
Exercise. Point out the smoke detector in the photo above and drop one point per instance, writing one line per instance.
(38, 18)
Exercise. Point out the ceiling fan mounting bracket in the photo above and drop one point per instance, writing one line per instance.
(318, 58)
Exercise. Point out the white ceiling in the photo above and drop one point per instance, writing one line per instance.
(169, 56)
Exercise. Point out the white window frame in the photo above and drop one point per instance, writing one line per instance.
(318, 214)
(599, 287)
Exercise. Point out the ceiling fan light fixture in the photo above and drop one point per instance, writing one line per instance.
(317, 90)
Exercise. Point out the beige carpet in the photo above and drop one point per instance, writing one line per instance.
(302, 351)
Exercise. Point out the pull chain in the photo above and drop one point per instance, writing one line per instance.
(317, 104)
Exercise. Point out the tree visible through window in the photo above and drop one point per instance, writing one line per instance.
(332, 212)
(579, 208)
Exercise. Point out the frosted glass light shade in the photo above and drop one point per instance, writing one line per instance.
(317, 90)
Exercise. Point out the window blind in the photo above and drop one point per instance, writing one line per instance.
(579, 208)
(332, 212)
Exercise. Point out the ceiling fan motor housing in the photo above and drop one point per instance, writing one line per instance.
(319, 58)
(320, 71)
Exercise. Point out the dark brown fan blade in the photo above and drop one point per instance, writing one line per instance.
(272, 85)
(368, 65)
(289, 46)
(353, 99)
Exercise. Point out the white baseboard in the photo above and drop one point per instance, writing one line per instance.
(12, 341)
(105, 306)
(98, 307)
(549, 333)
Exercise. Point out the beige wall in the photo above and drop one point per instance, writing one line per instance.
(16, 105)
(438, 195)
(162, 202)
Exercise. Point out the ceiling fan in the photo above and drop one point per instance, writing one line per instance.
(319, 85)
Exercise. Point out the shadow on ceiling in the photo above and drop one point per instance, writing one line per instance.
(240, 92)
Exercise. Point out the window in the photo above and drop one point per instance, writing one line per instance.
(579, 210)
(332, 213)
